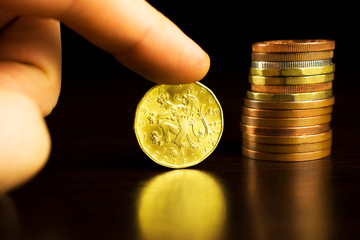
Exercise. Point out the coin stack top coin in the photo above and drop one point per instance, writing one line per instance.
(287, 111)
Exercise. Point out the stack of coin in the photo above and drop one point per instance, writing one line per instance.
(286, 114)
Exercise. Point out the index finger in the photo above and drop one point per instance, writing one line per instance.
(139, 36)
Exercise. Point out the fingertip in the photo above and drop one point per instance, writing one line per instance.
(194, 68)
(167, 57)
(203, 67)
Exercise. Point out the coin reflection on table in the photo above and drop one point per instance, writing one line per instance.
(182, 204)
(303, 194)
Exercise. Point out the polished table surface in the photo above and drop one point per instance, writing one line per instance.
(98, 184)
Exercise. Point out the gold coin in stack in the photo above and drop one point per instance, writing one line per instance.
(287, 111)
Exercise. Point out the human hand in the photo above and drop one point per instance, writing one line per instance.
(136, 34)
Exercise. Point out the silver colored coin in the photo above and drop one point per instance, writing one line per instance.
(287, 65)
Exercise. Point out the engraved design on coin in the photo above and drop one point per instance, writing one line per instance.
(178, 125)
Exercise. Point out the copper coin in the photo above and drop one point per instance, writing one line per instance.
(287, 157)
(287, 57)
(280, 46)
(289, 104)
(287, 140)
(295, 148)
(284, 131)
(258, 112)
(286, 122)
(291, 88)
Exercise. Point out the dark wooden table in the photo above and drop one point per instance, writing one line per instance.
(98, 184)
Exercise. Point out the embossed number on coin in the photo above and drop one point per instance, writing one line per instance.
(178, 126)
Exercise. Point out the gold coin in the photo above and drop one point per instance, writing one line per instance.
(258, 112)
(299, 80)
(285, 122)
(306, 45)
(285, 57)
(292, 88)
(295, 148)
(292, 71)
(310, 96)
(287, 157)
(284, 131)
(178, 126)
(287, 140)
(289, 105)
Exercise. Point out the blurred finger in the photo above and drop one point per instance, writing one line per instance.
(24, 139)
(30, 59)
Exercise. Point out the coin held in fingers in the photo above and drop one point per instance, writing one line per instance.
(178, 126)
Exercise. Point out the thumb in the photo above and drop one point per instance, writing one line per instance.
(24, 139)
